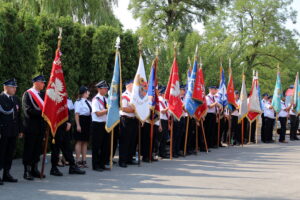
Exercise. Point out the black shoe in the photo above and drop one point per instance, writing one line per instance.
(1, 182)
(105, 168)
(74, 169)
(175, 156)
(27, 174)
(165, 156)
(98, 169)
(55, 172)
(215, 147)
(124, 165)
(8, 178)
(146, 160)
(296, 138)
(154, 159)
(132, 162)
(272, 141)
(35, 172)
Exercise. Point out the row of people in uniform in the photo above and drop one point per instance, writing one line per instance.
(90, 119)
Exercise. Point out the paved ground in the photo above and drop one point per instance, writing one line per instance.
(254, 172)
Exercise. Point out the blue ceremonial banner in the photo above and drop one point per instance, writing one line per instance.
(191, 104)
(276, 101)
(297, 94)
(222, 92)
(113, 116)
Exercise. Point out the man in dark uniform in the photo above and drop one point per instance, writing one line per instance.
(10, 128)
(34, 126)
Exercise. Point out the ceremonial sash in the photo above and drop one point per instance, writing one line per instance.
(101, 102)
(38, 100)
(164, 107)
(126, 98)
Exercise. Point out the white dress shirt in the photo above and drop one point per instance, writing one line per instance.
(98, 104)
(126, 96)
(82, 108)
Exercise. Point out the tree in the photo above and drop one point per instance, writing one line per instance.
(165, 16)
(97, 12)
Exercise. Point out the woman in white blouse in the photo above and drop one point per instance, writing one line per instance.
(83, 121)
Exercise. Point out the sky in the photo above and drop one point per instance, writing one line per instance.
(126, 18)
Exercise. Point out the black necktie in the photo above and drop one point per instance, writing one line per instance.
(105, 104)
(87, 103)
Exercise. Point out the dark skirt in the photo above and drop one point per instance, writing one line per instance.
(85, 123)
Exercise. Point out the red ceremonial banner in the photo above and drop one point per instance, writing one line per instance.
(201, 110)
(173, 92)
(55, 110)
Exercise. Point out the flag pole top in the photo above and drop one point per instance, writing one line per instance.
(278, 68)
(221, 60)
(189, 61)
(156, 51)
(118, 40)
(175, 48)
(200, 62)
(229, 60)
(196, 52)
(59, 37)
(140, 45)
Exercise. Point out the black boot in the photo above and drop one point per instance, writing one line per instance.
(8, 178)
(74, 169)
(55, 172)
(27, 173)
(35, 171)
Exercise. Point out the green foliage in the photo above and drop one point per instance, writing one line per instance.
(97, 12)
(28, 44)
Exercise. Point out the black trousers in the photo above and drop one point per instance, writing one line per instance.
(268, 132)
(223, 130)
(235, 130)
(191, 141)
(201, 141)
(164, 137)
(262, 127)
(177, 136)
(127, 141)
(183, 123)
(100, 145)
(7, 149)
(33, 145)
(253, 128)
(63, 144)
(294, 126)
(282, 130)
(145, 149)
(211, 129)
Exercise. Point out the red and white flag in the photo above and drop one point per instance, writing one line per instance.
(254, 101)
(172, 93)
(201, 110)
(55, 110)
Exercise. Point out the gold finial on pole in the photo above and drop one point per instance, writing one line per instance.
(201, 62)
(175, 48)
(196, 52)
(140, 45)
(59, 37)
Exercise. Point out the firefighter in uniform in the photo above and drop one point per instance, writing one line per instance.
(34, 127)
(100, 137)
(128, 126)
(10, 128)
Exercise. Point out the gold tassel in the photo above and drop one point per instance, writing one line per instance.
(53, 141)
